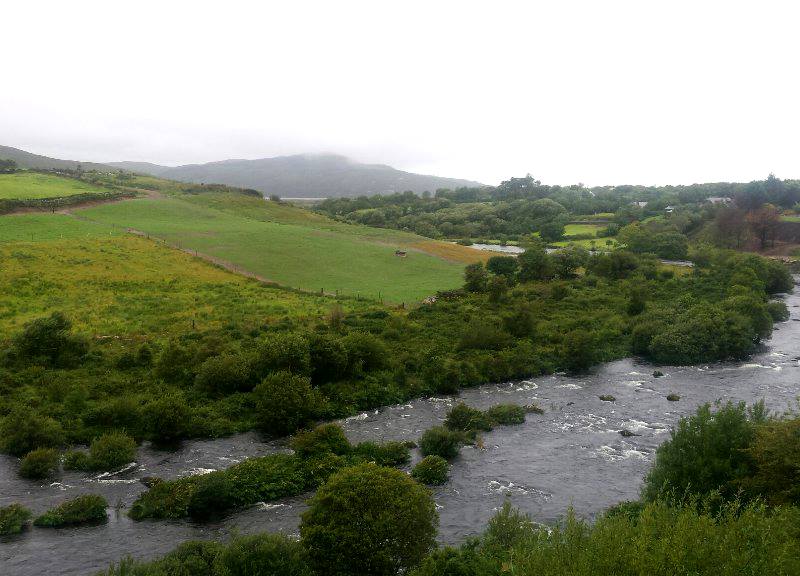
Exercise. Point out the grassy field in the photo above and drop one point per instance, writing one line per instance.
(35, 227)
(34, 186)
(295, 247)
(123, 285)
(576, 229)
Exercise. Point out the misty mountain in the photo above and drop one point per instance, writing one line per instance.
(301, 176)
(28, 160)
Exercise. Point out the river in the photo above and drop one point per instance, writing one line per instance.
(572, 455)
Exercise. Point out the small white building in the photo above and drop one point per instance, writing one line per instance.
(719, 200)
(639, 204)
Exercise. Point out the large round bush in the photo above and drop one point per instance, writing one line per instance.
(24, 430)
(440, 441)
(111, 451)
(369, 520)
(431, 470)
(39, 463)
(262, 555)
(285, 402)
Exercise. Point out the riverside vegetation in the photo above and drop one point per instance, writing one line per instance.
(109, 340)
(721, 498)
(312, 363)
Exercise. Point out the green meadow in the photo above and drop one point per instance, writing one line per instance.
(36, 186)
(127, 286)
(290, 246)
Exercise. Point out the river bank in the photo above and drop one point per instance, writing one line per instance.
(573, 454)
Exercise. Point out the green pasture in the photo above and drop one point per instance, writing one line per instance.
(35, 186)
(295, 249)
(581, 229)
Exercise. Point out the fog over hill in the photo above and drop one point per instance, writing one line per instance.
(299, 176)
(302, 176)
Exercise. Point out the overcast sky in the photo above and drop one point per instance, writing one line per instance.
(600, 92)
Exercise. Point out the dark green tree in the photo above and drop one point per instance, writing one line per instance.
(369, 520)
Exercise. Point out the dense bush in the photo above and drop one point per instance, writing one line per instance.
(431, 470)
(213, 497)
(329, 359)
(23, 430)
(40, 463)
(439, 441)
(262, 554)
(778, 311)
(224, 374)
(282, 352)
(322, 439)
(166, 418)
(243, 484)
(467, 419)
(706, 452)
(111, 450)
(506, 414)
(368, 520)
(775, 451)
(13, 519)
(660, 541)
(365, 352)
(257, 555)
(80, 510)
(285, 403)
(76, 460)
(386, 454)
(48, 341)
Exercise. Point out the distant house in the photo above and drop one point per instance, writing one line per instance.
(400, 253)
(639, 204)
(719, 200)
(669, 209)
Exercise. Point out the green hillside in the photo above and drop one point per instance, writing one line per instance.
(294, 247)
(36, 186)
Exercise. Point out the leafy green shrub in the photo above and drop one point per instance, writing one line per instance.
(23, 430)
(213, 497)
(267, 554)
(385, 454)
(285, 403)
(775, 451)
(365, 352)
(193, 558)
(661, 541)
(167, 417)
(439, 441)
(111, 451)
(467, 419)
(224, 374)
(431, 470)
(319, 467)
(243, 484)
(13, 519)
(80, 510)
(778, 311)
(48, 341)
(324, 438)
(76, 460)
(282, 352)
(368, 520)
(706, 452)
(482, 335)
(39, 463)
(328, 359)
(672, 397)
(506, 414)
